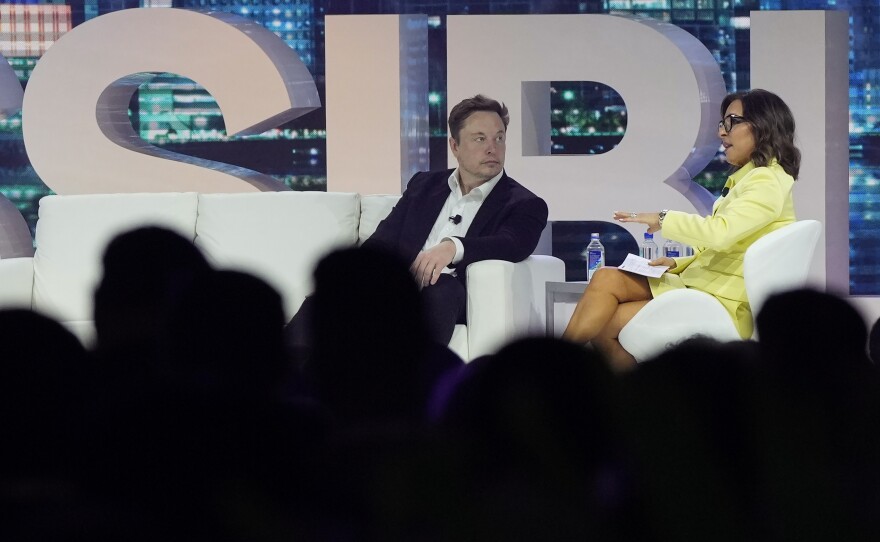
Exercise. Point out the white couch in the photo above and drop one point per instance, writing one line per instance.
(278, 236)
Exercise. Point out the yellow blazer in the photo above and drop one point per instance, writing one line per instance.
(758, 202)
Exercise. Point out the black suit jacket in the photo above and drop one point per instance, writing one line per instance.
(507, 226)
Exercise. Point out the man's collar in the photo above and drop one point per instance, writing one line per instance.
(483, 190)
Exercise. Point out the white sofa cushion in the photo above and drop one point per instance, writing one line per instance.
(73, 231)
(16, 282)
(279, 237)
(374, 209)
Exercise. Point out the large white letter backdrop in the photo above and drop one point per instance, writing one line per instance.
(80, 140)
(76, 127)
(669, 81)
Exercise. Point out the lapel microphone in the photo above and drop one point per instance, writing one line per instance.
(455, 219)
(724, 192)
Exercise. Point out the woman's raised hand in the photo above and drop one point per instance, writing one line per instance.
(651, 219)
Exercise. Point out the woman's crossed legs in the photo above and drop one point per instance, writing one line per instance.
(610, 301)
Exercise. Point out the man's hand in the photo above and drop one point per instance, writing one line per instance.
(429, 263)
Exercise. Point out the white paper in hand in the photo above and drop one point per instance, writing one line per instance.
(638, 265)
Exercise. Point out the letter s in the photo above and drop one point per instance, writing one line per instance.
(75, 120)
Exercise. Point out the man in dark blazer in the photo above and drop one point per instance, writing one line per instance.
(447, 220)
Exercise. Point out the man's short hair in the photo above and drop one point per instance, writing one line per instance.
(469, 106)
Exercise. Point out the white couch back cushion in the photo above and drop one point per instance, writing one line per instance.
(277, 236)
(73, 231)
(374, 209)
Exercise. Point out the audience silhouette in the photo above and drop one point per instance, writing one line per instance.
(372, 359)
(43, 377)
(874, 342)
(539, 426)
(222, 336)
(823, 417)
(188, 420)
(142, 269)
(689, 416)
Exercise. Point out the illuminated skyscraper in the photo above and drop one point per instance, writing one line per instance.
(28, 30)
(710, 21)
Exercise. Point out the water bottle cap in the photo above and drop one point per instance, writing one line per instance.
(649, 235)
(594, 236)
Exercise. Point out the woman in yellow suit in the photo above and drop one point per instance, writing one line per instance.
(757, 133)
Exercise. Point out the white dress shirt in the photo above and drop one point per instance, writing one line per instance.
(458, 204)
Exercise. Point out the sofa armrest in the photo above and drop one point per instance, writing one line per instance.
(16, 283)
(506, 300)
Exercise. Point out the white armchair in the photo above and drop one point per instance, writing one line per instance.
(505, 302)
(777, 262)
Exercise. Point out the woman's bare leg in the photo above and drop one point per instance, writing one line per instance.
(607, 340)
(608, 288)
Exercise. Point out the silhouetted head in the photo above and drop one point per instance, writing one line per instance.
(537, 424)
(369, 334)
(543, 399)
(142, 268)
(223, 337)
(40, 360)
(44, 386)
(691, 424)
(806, 328)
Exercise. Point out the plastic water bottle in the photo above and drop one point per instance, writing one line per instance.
(595, 255)
(671, 249)
(649, 248)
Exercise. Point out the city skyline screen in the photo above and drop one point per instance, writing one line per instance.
(586, 117)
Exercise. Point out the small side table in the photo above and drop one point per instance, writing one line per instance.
(561, 292)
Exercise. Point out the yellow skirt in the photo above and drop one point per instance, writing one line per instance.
(739, 311)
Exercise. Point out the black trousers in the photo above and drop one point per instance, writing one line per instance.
(444, 305)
